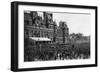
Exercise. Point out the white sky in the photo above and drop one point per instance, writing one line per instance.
(77, 23)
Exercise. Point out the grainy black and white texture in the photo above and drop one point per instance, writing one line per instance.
(56, 36)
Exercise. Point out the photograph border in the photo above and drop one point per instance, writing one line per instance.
(14, 35)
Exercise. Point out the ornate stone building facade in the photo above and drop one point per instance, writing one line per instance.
(36, 26)
(62, 32)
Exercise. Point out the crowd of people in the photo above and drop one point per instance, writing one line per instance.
(45, 52)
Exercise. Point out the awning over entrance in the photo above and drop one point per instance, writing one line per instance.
(40, 39)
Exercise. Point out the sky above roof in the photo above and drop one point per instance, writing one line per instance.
(76, 22)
